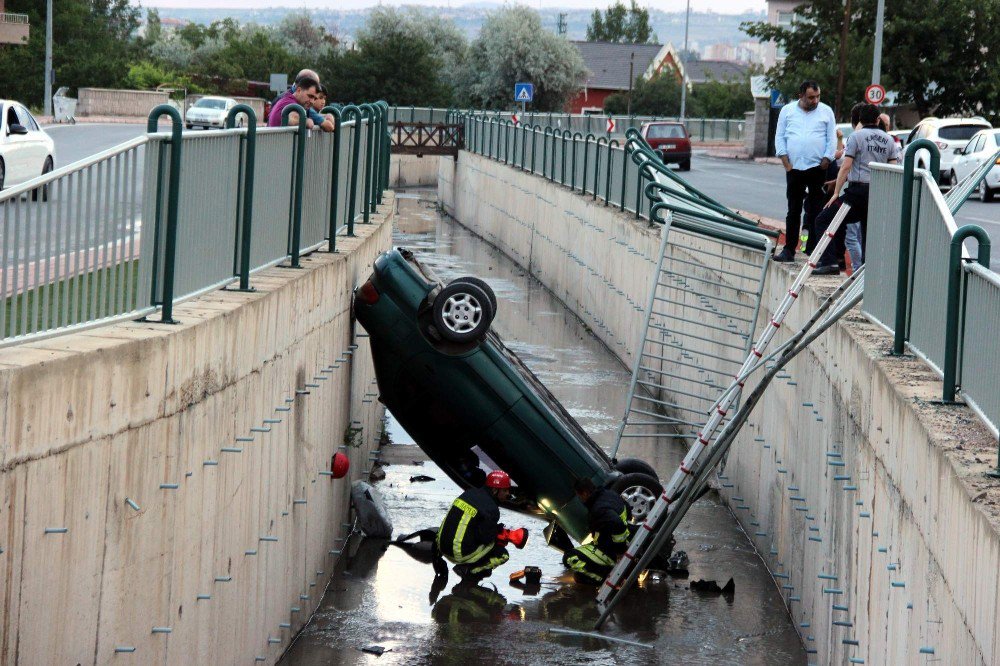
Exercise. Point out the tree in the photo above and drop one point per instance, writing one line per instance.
(93, 45)
(302, 38)
(391, 61)
(621, 25)
(939, 54)
(658, 96)
(512, 46)
(721, 99)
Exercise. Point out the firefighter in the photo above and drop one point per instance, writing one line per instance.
(593, 560)
(469, 533)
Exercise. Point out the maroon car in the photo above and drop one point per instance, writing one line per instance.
(670, 141)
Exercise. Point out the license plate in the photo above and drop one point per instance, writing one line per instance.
(668, 146)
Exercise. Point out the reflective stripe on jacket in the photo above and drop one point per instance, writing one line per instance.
(469, 529)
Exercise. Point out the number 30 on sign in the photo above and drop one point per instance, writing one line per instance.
(874, 94)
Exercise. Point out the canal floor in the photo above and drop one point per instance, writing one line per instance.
(381, 596)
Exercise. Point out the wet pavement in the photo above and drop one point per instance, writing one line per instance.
(381, 596)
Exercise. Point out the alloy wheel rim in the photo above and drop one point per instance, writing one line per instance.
(640, 500)
(462, 313)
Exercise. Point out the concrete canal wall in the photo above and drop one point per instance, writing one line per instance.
(160, 495)
(866, 500)
(413, 171)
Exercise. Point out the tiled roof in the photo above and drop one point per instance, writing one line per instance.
(700, 71)
(608, 63)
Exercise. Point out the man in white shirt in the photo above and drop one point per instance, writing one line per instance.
(806, 142)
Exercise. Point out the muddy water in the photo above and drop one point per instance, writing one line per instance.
(381, 596)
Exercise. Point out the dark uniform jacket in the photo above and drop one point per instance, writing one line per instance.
(608, 522)
(471, 523)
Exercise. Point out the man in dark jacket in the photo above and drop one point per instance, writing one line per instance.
(593, 560)
(468, 533)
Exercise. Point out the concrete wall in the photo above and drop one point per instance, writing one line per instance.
(225, 553)
(866, 501)
(103, 102)
(14, 28)
(413, 171)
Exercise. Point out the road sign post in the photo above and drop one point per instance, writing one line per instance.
(524, 93)
(875, 94)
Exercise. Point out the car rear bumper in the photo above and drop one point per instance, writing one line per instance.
(672, 156)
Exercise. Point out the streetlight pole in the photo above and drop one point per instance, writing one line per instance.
(684, 88)
(877, 59)
(48, 58)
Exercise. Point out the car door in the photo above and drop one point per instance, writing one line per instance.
(965, 160)
(15, 149)
(35, 145)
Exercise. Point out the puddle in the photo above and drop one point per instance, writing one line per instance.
(379, 595)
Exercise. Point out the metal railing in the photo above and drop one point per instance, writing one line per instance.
(924, 286)
(701, 129)
(14, 18)
(170, 215)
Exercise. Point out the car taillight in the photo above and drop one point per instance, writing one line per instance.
(942, 145)
(998, 161)
(367, 293)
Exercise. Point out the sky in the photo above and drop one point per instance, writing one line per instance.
(719, 6)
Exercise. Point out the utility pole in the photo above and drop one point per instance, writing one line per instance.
(48, 58)
(843, 58)
(684, 88)
(877, 59)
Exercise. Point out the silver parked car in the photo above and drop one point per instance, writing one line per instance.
(210, 112)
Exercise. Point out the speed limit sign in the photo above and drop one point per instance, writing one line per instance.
(875, 94)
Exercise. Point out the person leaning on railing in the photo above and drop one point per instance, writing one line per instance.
(303, 93)
(324, 122)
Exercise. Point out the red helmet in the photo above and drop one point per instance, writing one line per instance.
(498, 479)
(341, 464)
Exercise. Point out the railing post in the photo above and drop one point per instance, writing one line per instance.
(955, 311)
(369, 113)
(586, 159)
(299, 182)
(607, 188)
(386, 150)
(545, 148)
(249, 171)
(173, 200)
(348, 111)
(335, 180)
(572, 175)
(905, 222)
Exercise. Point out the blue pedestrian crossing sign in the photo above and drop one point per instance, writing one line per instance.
(524, 92)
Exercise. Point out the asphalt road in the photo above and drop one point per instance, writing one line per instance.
(77, 142)
(760, 188)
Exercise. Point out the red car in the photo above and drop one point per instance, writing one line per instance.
(671, 141)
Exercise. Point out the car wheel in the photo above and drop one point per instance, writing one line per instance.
(985, 193)
(634, 465)
(640, 492)
(190, 126)
(953, 179)
(468, 279)
(685, 165)
(43, 191)
(3, 173)
(462, 312)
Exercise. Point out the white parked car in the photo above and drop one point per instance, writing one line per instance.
(211, 112)
(26, 151)
(948, 134)
(981, 147)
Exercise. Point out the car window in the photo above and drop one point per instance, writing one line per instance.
(959, 132)
(11, 117)
(665, 132)
(23, 117)
(210, 104)
(980, 142)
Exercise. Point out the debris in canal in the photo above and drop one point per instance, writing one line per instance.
(376, 650)
(421, 478)
(372, 516)
(677, 565)
(712, 587)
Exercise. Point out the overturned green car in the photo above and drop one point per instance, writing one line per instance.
(472, 405)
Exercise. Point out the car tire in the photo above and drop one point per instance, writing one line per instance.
(469, 279)
(985, 193)
(685, 165)
(43, 191)
(462, 312)
(190, 126)
(3, 173)
(634, 465)
(640, 492)
(953, 179)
